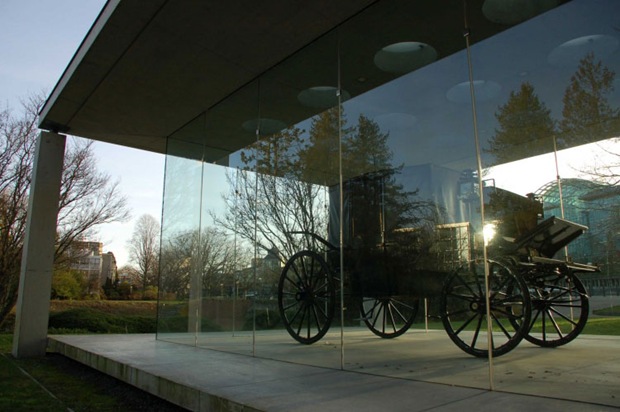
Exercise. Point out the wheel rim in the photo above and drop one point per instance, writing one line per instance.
(560, 308)
(464, 312)
(389, 317)
(306, 297)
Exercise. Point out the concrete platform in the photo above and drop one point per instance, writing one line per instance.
(419, 371)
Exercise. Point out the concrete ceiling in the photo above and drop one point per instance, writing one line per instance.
(148, 67)
(148, 70)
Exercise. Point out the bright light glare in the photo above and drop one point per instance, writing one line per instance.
(488, 232)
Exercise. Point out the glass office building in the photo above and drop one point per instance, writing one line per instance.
(338, 200)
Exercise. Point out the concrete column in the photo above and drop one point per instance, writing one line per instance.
(35, 282)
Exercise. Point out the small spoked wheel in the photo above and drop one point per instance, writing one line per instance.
(306, 297)
(560, 307)
(464, 308)
(389, 316)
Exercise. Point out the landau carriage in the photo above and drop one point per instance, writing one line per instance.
(388, 270)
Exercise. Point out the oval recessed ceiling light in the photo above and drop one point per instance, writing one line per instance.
(515, 11)
(404, 57)
(485, 90)
(322, 97)
(572, 51)
(266, 126)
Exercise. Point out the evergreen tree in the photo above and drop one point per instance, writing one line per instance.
(367, 148)
(587, 115)
(525, 127)
(319, 158)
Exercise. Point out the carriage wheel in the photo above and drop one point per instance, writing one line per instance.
(389, 317)
(559, 308)
(463, 308)
(306, 297)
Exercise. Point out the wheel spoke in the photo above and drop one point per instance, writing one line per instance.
(301, 321)
(316, 317)
(552, 310)
(555, 324)
(376, 315)
(464, 325)
(374, 306)
(475, 339)
(460, 279)
(534, 318)
(401, 317)
(501, 326)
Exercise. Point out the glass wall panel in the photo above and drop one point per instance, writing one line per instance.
(296, 165)
(411, 194)
(547, 127)
(337, 210)
(179, 309)
(229, 286)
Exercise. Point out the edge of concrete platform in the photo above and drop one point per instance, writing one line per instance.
(226, 381)
(179, 394)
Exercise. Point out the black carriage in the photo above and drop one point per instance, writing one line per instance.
(532, 295)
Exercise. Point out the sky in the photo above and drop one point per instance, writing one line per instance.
(38, 38)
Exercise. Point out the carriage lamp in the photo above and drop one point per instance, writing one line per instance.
(488, 232)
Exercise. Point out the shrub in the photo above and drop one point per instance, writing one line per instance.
(98, 322)
(67, 284)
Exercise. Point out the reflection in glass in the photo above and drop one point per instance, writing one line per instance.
(412, 231)
(179, 309)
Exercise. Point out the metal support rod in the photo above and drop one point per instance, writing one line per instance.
(426, 314)
(466, 34)
(341, 205)
(254, 277)
(559, 182)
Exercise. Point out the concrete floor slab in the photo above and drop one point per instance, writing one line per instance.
(418, 372)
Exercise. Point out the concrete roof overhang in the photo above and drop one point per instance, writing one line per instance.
(147, 69)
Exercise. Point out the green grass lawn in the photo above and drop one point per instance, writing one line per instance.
(56, 383)
(610, 311)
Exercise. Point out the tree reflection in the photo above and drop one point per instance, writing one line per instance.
(289, 182)
(587, 114)
(525, 127)
(210, 253)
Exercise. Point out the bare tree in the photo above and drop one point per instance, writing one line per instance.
(18, 138)
(88, 197)
(268, 199)
(212, 253)
(144, 249)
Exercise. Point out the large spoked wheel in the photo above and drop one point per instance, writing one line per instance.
(560, 307)
(390, 316)
(464, 314)
(306, 297)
